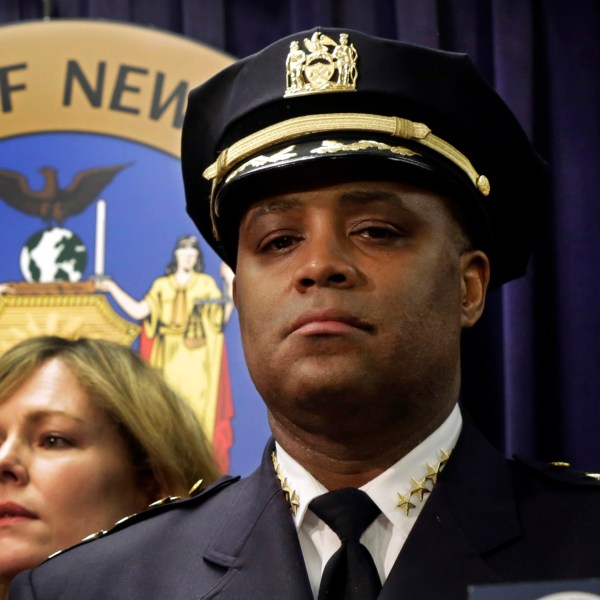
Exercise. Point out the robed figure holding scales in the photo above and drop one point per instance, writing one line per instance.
(183, 315)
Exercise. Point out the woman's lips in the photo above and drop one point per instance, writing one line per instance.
(11, 512)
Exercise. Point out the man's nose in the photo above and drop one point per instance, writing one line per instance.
(326, 260)
(12, 465)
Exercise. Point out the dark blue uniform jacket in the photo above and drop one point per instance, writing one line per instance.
(487, 520)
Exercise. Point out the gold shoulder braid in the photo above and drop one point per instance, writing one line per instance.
(420, 487)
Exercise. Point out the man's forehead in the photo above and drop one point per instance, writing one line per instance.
(351, 195)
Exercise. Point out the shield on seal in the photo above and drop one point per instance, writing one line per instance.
(319, 69)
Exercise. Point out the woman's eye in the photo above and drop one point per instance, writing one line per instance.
(52, 441)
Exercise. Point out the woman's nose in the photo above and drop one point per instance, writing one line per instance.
(12, 466)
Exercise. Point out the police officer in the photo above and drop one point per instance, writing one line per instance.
(367, 200)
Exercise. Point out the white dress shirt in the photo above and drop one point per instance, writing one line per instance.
(385, 537)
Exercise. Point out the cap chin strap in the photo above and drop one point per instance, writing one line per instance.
(298, 127)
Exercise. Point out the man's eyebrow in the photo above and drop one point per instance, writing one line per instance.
(358, 197)
(277, 205)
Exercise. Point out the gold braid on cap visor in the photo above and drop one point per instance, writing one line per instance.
(322, 123)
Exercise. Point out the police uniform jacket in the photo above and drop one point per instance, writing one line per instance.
(488, 520)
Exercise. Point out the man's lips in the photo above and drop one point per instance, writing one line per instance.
(12, 511)
(328, 322)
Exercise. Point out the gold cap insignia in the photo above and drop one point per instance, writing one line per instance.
(315, 72)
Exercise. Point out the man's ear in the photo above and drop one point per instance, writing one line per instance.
(475, 270)
(234, 291)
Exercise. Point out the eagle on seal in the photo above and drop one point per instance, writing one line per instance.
(53, 203)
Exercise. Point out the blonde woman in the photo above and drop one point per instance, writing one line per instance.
(89, 433)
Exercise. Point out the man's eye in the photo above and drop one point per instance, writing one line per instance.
(379, 233)
(279, 243)
(52, 441)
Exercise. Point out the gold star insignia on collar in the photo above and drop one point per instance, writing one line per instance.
(291, 497)
(432, 473)
(294, 501)
(419, 487)
(445, 457)
(404, 502)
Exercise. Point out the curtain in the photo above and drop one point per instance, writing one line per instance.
(530, 367)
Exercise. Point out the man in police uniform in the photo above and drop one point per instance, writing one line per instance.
(365, 213)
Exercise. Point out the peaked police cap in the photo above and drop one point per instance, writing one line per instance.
(340, 102)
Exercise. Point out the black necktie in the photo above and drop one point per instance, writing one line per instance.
(350, 573)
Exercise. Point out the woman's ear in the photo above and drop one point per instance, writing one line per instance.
(475, 270)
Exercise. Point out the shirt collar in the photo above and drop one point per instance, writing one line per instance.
(386, 487)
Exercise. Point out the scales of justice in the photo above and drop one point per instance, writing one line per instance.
(52, 300)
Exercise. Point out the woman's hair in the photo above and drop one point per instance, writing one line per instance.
(165, 438)
(186, 241)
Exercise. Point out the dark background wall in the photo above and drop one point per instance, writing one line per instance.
(531, 368)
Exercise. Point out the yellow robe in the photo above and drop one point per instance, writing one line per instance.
(188, 340)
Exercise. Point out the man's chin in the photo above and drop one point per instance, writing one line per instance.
(323, 393)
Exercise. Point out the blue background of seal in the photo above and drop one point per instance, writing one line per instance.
(145, 214)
